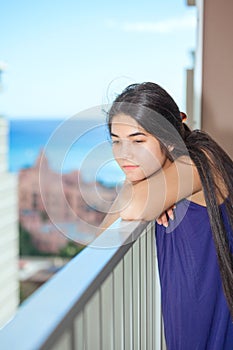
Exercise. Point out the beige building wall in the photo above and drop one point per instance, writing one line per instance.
(213, 77)
(9, 282)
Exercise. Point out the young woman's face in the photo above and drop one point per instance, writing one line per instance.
(137, 152)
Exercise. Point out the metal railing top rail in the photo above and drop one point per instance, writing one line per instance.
(54, 305)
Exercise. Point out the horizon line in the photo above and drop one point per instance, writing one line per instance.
(49, 117)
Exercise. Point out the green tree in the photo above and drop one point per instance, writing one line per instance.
(26, 246)
(70, 250)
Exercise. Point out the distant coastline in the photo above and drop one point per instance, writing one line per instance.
(90, 150)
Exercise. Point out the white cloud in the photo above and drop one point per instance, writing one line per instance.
(166, 26)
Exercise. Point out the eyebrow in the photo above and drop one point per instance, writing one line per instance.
(131, 135)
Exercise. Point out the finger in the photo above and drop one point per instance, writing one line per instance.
(170, 214)
(163, 220)
(159, 221)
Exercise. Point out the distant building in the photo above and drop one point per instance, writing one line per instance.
(51, 216)
(35, 271)
(9, 284)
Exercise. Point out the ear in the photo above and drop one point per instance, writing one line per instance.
(170, 148)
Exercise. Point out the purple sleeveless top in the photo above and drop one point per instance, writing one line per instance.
(195, 312)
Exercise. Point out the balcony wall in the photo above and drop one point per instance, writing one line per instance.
(107, 297)
(213, 73)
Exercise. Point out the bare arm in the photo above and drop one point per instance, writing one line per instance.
(109, 219)
(153, 196)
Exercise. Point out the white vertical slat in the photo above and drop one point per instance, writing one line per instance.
(143, 290)
(149, 288)
(163, 341)
(79, 332)
(118, 320)
(136, 296)
(159, 339)
(64, 342)
(128, 300)
(156, 333)
(107, 313)
(92, 331)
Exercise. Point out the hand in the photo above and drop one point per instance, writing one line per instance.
(164, 217)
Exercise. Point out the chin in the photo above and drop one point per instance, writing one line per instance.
(135, 178)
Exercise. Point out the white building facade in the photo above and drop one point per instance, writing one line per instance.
(9, 247)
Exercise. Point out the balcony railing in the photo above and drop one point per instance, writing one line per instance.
(106, 298)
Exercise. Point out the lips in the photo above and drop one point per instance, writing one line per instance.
(130, 167)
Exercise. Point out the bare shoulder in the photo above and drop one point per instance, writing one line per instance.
(198, 198)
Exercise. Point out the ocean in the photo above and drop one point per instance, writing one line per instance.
(69, 145)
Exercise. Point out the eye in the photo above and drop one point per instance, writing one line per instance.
(114, 142)
(138, 141)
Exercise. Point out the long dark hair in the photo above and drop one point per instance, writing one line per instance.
(213, 164)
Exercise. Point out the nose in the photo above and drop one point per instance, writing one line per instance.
(124, 151)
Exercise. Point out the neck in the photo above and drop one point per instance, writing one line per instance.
(166, 164)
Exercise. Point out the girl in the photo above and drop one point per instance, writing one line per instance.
(166, 163)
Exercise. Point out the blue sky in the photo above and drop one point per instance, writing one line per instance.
(64, 56)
